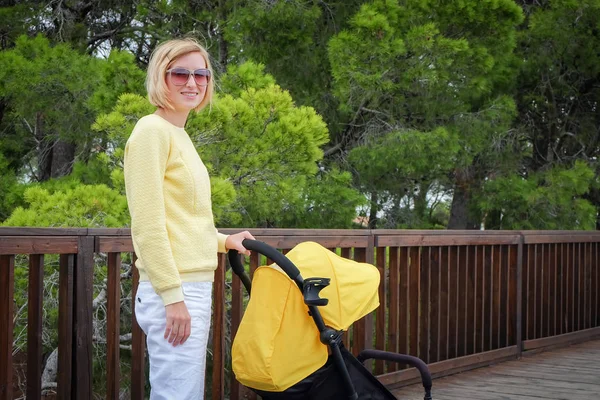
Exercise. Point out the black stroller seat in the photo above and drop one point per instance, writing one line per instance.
(312, 374)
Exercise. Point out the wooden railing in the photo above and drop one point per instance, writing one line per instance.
(456, 299)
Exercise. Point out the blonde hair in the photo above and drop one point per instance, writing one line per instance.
(162, 59)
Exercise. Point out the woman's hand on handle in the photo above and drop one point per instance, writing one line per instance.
(179, 323)
(234, 242)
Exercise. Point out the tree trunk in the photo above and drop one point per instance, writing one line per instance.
(459, 213)
(373, 212)
(421, 205)
(223, 45)
(44, 150)
(63, 156)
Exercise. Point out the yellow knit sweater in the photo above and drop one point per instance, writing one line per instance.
(168, 194)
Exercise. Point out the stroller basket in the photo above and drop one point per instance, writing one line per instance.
(312, 372)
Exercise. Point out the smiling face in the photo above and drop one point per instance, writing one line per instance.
(186, 97)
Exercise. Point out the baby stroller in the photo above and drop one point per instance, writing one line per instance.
(289, 343)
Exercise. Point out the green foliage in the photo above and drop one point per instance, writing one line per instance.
(549, 199)
(398, 59)
(290, 38)
(395, 161)
(240, 78)
(11, 192)
(559, 81)
(118, 74)
(71, 204)
(402, 167)
(263, 144)
(53, 92)
(327, 201)
(424, 66)
(52, 81)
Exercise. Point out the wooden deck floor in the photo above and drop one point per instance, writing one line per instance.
(570, 373)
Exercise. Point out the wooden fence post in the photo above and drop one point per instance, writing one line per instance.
(7, 285)
(65, 326)
(82, 319)
(519, 310)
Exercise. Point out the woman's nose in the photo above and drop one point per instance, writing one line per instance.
(191, 82)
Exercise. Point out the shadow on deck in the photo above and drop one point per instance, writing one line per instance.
(570, 373)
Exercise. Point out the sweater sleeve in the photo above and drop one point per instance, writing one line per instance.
(145, 163)
(221, 238)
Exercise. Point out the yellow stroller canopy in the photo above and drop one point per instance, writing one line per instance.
(277, 344)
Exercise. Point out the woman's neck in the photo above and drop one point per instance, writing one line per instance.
(174, 117)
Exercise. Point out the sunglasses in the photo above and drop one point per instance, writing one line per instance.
(181, 76)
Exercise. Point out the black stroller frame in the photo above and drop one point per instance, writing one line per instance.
(344, 362)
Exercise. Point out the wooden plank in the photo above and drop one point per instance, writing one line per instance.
(515, 306)
(503, 316)
(434, 304)
(65, 325)
(574, 291)
(530, 298)
(7, 287)
(380, 333)
(578, 291)
(587, 280)
(453, 296)
(26, 231)
(543, 293)
(471, 293)
(82, 319)
(218, 340)
(559, 374)
(552, 291)
(38, 245)
(288, 242)
(138, 343)
(34, 326)
(403, 297)
(568, 307)
(113, 309)
(591, 286)
(495, 307)
(488, 264)
(454, 365)
(560, 340)
(462, 293)
(370, 325)
(443, 305)
(345, 252)
(424, 296)
(360, 327)
(597, 284)
(108, 232)
(505, 382)
(479, 295)
(414, 295)
(109, 244)
(565, 237)
(254, 264)
(261, 233)
(236, 317)
(562, 279)
(445, 240)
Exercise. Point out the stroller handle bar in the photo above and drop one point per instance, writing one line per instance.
(261, 247)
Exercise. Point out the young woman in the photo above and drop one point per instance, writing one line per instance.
(168, 193)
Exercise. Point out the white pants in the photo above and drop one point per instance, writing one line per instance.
(176, 373)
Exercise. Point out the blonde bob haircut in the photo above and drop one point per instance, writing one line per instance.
(162, 58)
